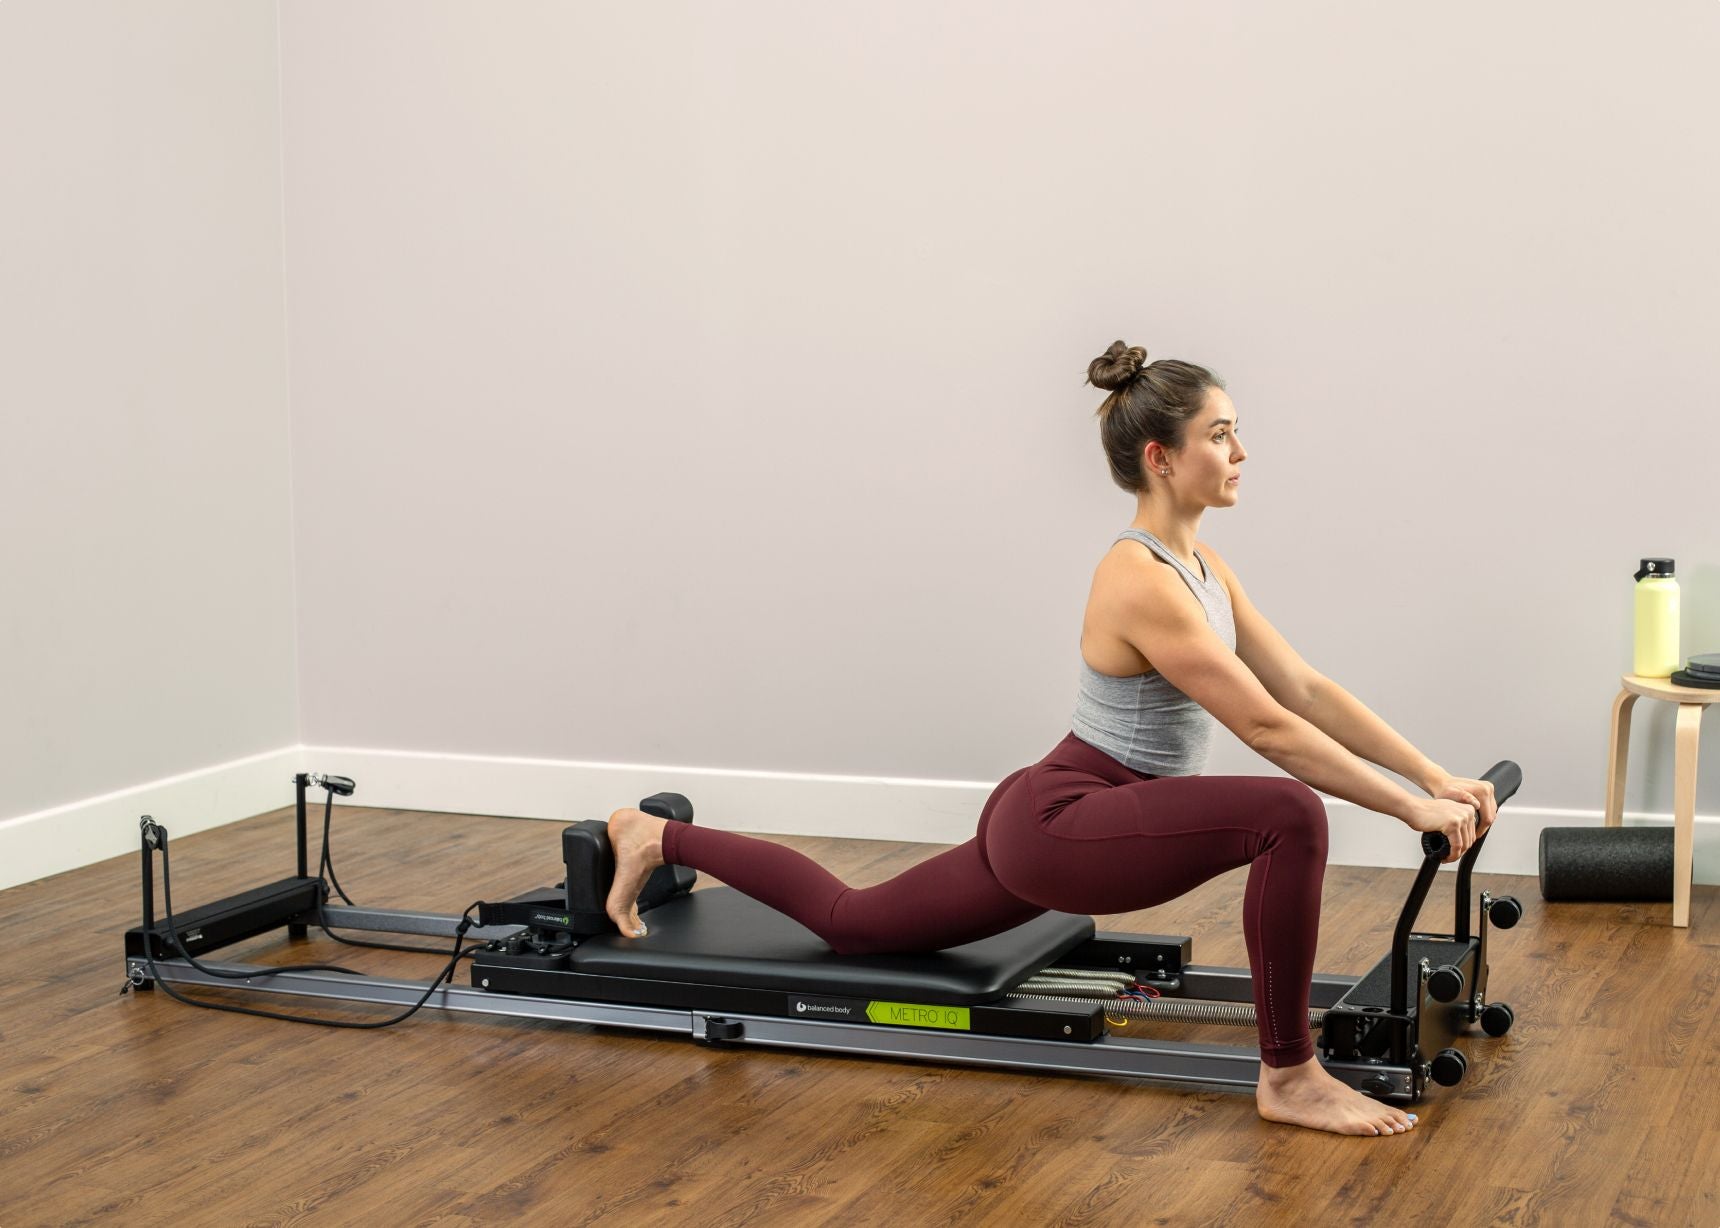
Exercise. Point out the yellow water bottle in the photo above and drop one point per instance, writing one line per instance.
(1656, 619)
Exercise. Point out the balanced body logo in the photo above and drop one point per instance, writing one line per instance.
(826, 1008)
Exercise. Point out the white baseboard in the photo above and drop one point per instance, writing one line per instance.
(1362, 838)
(861, 807)
(66, 837)
(769, 803)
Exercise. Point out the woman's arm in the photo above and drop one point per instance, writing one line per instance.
(1155, 615)
(1314, 697)
(1314, 716)
(1352, 725)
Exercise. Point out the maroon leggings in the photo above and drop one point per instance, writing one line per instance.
(1077, 832)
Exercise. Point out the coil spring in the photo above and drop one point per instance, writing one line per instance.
(1076, 982)
(1183, 1009)
(1088, 985)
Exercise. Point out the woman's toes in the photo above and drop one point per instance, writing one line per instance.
(628, 923)
(633, 866)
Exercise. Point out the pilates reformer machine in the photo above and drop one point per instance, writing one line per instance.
(727, 970)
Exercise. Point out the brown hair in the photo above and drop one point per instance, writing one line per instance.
(1147, 403)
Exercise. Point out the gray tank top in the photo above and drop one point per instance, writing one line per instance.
(1142, 720)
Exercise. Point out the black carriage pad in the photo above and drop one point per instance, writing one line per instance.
(718, 936)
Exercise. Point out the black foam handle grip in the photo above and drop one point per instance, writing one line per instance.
(1506, 778)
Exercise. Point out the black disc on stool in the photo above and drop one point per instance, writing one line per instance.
(1606, 863)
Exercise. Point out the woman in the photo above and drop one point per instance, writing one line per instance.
(1117, 816)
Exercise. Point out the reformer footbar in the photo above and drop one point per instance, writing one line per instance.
(728, 970)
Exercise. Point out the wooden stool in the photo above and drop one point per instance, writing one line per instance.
(1690, 700)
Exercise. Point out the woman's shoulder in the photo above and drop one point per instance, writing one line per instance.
(1131, 572)
(1132, 569)
(1131, 553)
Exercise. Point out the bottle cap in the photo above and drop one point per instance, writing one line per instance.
(1655, 567)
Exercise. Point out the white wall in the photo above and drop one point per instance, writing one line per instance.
(673, 385)
(146, 630)
(703, 385)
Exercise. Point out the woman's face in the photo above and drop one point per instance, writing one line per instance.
(1207, 468)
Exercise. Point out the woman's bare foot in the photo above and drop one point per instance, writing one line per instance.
(1306, 1095)
(637, 840)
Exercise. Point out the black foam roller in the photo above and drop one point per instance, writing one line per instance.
(1606, 863)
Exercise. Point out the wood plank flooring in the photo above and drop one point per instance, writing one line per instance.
(1601, 1107)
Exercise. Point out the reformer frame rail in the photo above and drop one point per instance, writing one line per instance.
(1128, 1057)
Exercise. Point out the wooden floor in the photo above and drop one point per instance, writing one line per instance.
(1599, 1108)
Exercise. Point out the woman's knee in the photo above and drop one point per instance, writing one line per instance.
(847, 938)
(851, 929)
(1301, 814)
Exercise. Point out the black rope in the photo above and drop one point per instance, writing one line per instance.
(447, 973)
(327, 866)
(322, 924)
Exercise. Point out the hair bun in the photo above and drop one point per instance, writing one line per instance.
(1116, 366)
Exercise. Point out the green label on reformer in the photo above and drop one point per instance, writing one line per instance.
(913, 1015)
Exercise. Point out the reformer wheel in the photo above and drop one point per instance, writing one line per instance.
(1497, 1018)
(1504, 912)
(1449, 1067)
(1445, 983)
